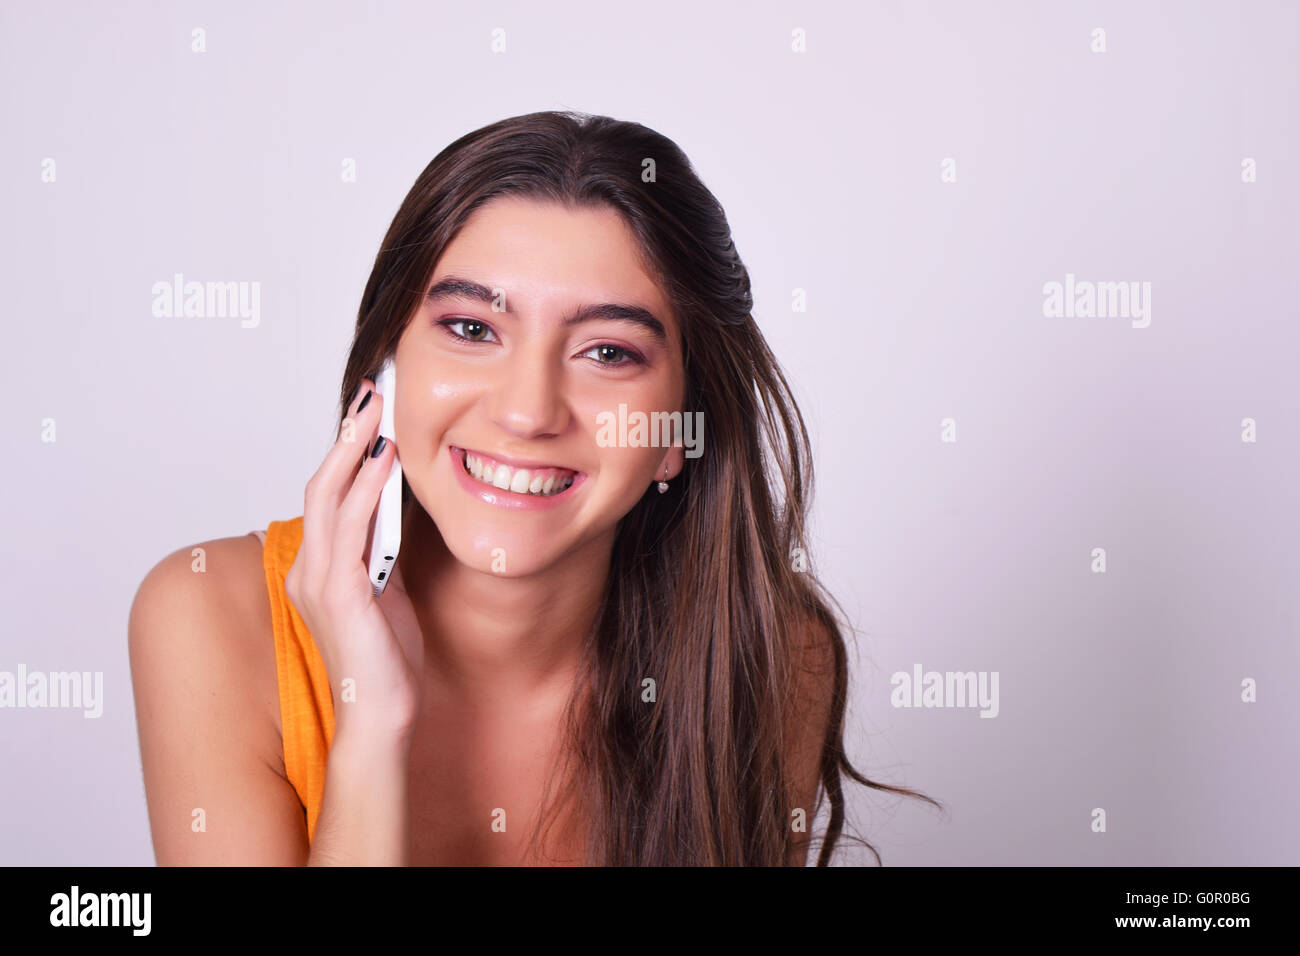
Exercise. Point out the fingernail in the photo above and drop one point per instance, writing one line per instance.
(369, 392)
(379, 447)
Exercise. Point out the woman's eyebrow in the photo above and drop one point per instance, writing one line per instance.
(456, 287)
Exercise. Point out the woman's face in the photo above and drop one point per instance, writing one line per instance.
(495, 368)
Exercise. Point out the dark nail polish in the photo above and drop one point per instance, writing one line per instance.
(379, 447)
(365, 400)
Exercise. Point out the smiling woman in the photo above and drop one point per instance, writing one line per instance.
(614, 642)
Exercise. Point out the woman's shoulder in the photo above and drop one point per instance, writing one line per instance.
(223, 577)
(204, 610)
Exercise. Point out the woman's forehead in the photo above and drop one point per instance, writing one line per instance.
(543, 252)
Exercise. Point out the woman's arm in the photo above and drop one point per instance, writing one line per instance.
(365, 817)
(203, 670)
(203, 676)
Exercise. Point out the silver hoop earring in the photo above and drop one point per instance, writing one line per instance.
(663, 485)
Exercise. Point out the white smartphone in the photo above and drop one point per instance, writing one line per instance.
(386, 537)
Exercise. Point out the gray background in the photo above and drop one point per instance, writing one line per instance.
(1119, 690)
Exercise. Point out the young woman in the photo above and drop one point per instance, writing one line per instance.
(592, 650)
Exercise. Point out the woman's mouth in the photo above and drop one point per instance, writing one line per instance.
(500, 481)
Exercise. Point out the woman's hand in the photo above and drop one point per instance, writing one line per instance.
(374, 643)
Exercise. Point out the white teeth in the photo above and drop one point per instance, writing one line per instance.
(520, 481)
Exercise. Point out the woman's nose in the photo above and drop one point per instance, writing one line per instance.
(528, 399)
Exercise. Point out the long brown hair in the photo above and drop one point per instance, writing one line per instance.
(707, 594)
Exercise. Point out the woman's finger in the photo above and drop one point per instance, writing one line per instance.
(327, 487)
(352, 524)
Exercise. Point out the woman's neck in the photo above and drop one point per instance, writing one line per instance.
(494, 642)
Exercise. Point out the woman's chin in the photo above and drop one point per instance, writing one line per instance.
(500, 551)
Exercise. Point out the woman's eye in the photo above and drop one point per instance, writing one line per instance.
(610, 356)
(615, 356)
(475, 331)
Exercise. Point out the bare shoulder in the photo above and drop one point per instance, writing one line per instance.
(203, 676)
(808, 719)
(817, 645)
(210, 601)
(814, 654)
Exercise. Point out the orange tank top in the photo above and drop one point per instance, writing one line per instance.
(306, 703)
